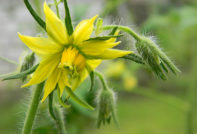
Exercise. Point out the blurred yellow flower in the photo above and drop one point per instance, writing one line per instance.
(115, 69)
(66, 59)
(129, 82)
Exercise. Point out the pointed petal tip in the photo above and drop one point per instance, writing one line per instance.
(23, 86)
(94, 18)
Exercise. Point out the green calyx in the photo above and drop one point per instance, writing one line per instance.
(155, 57)
(106, 107)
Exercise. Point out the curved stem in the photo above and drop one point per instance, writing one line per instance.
(123, 28)
(35, 15)
(105, 87)
(29, 120)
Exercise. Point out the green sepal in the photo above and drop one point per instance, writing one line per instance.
(35, 15)
(92, 80)
(134, 57)
(113, 31)
(51, 111)
(22, 74)
(99, 26)
(60, 100)
(164, 67)
(68, 20)
(104, 37)
(92, 76)
(77, 99)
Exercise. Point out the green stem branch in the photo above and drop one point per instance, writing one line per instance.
(32, 109)
(123, 28)
(8, 60)
(57, 9)
(105, 87)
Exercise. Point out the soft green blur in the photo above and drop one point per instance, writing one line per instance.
(145, 104)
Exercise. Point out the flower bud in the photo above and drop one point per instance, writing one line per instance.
(27, 63)
(99, 25)
(155, 57)
(106, 107)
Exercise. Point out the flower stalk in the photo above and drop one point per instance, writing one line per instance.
(30, 117)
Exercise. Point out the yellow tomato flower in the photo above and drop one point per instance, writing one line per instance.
(66, 60)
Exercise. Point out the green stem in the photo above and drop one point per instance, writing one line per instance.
(60, 120)
(57, 9)
(51, 106)
(105, 87)
(29, 120)
(35, 15)
(8, 60)
(125, 29)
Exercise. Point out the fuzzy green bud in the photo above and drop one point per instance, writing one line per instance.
(27, 64)
(106, 107)
(99, 26)
(155, 57)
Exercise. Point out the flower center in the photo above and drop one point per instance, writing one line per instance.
(72, 60)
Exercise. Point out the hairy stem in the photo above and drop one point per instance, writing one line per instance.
(102, 80)
(123, 28)
(60, 120)
(29, 120)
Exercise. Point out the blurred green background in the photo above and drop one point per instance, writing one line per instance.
(145, 105)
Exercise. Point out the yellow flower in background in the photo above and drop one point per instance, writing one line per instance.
(130, 82)
(115, 69)
(66, 60)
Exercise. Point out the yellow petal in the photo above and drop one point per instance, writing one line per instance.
(94, 48)
(41, 46)
(93, 63)
(51, 82)
(84, 30)
(55, 27)
(45, 68)
(113, 53)
(63, 81)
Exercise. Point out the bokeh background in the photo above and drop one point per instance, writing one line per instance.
(145, 105)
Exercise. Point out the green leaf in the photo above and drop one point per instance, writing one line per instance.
(104, 37)
(22, 74)
(77, 99)
(68, 20)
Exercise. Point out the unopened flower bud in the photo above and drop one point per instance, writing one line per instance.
(155, 57)
(106, 107)
(99, 25)
(27, 63)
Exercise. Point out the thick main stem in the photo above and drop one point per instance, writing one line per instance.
(29, 120)
(123, 28)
